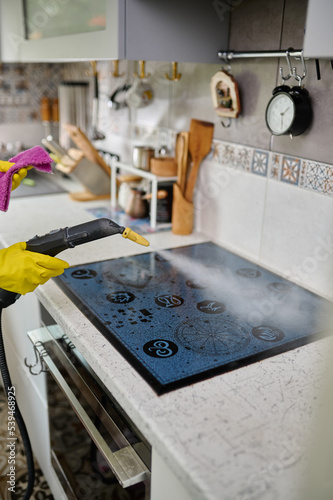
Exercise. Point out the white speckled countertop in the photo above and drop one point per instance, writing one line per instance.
(238, 436)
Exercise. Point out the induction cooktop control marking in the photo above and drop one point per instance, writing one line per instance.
(247, 272)
(82, 274)
(120, 297)
(160, 348)
(169, 301)
(211, 307)
(268, 333)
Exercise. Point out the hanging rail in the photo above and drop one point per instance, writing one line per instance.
(230, 54)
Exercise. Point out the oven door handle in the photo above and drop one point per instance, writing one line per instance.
(125, 463)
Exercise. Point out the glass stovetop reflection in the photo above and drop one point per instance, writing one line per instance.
(189, 313)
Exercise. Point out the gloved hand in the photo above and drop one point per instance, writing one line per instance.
(21, 271)
(5, 165)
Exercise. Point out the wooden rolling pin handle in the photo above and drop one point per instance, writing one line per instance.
(161, 194)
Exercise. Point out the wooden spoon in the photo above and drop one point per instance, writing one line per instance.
(182, 159)
(185, 160)
(200, 141)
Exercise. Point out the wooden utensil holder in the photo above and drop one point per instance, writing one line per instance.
(182, 213)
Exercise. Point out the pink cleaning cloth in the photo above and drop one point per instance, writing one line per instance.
(35, 157)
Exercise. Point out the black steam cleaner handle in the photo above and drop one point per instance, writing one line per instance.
(58, 240)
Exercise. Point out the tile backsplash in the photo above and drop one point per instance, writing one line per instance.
(267, 198)
(22, 87)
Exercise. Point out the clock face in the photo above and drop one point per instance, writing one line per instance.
(280, 113)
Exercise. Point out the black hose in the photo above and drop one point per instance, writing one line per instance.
(18, 417)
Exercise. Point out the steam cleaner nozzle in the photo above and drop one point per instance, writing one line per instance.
(132, 235)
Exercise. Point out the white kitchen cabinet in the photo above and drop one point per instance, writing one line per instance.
(30, 390)
(187, 31)
(318, 38)
(164, 483)
(93, 45)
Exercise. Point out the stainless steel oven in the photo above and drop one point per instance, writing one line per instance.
(96, 451)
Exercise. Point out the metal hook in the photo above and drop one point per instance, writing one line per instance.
(38, 360)
(229, 123)
(227, 62)
(115, 72)
(291, 70)
(175, 75)
(142, 74)
(303, 66)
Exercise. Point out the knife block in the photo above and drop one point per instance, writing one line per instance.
(182, 213)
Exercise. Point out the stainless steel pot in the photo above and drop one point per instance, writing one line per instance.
(142, 156)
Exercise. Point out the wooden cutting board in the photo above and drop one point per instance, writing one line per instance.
(84, 144)
(200, 141)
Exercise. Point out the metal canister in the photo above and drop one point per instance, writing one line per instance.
(142, 156)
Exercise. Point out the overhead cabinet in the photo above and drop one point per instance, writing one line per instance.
(184, 31)
(318, 38)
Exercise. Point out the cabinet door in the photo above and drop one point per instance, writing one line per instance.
(175, 30)
(318, 39)
(90, 45)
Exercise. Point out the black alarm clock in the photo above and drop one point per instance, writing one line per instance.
(289, 111)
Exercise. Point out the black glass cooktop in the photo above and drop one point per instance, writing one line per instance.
(189, 313)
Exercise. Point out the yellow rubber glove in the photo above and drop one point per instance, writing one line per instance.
(22, 271)
(5, 165)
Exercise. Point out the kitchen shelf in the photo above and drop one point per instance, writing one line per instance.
(154, 180)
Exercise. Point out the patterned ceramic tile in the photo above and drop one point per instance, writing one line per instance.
(302, 173)
(316, 177)
(229, 152)
(299, 172)
(260, 162)
(217, 151)
(244, 158)
(23, 85)
(275, 161)
(328, 184)
(290, 169)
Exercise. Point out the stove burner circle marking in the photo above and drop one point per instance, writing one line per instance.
(169, 301)
(212, 336)
(82, 274)
(248, 272)
(211, 307)
(160, 348)
(267, 333)
(120, 297)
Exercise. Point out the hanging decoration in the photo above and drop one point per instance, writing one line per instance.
(225, 95)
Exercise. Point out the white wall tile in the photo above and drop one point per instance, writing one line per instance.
(297, 236)
(229, 207)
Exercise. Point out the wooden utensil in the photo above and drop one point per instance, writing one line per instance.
(185, 160)
(200, 141)
(84, 144)
(182, 159)
(161, 194)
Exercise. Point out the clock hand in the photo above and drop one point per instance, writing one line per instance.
(282, 113)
